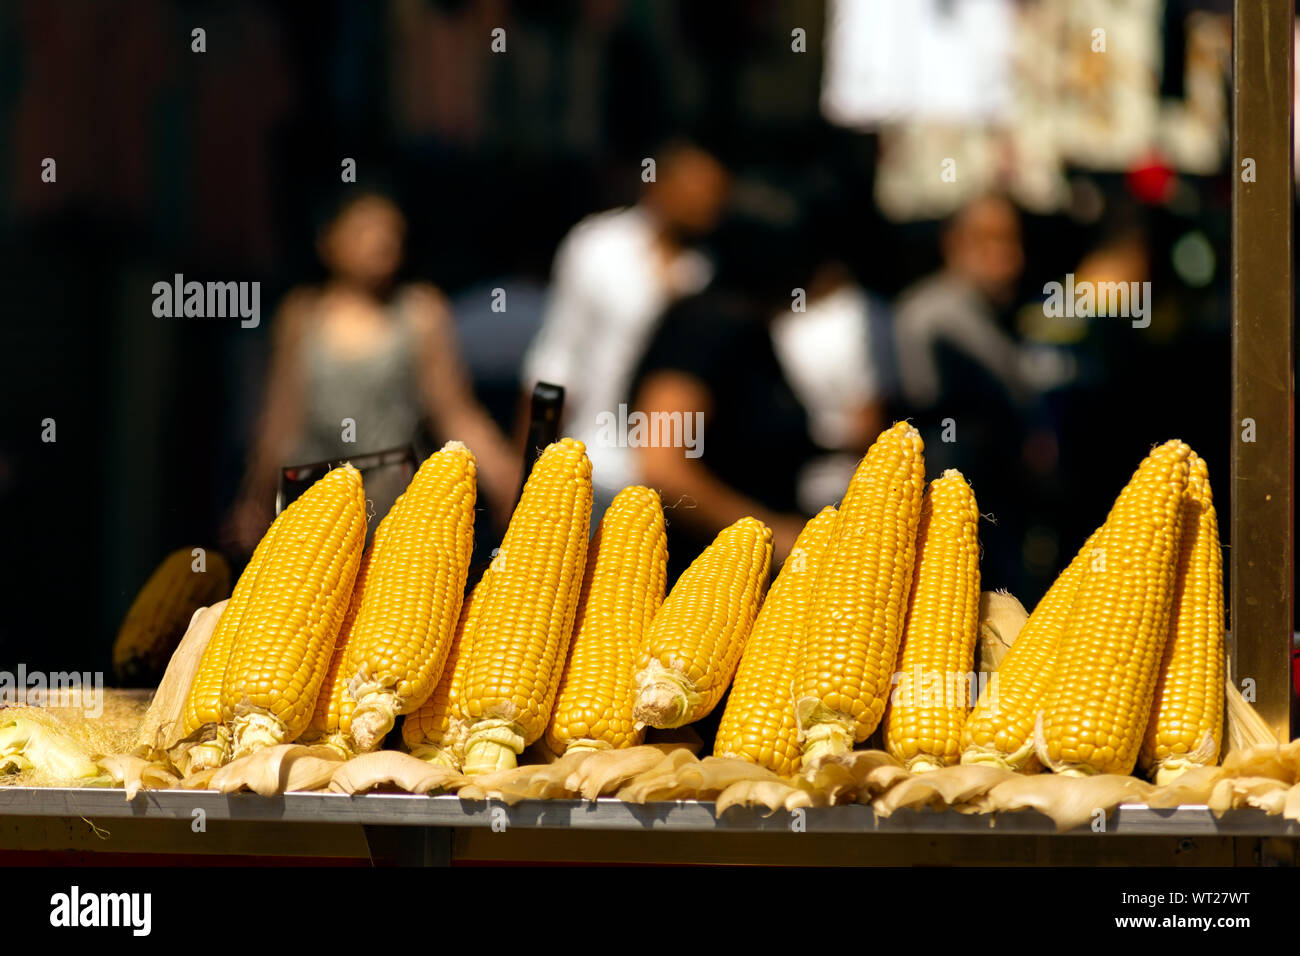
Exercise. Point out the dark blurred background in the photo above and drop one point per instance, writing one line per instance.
(218, 165)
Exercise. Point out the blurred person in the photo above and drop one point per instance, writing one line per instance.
(713, 363)
(614, 275)
(960, 371)
(834, 353)
(362, 346)
(959, 308)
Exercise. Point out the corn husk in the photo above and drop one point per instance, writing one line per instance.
(772, 794)
(958, 786)
(159, 730)
(392, 770)
(134, 774)
(282, 768)
(1001, 618)
(1246, 729)
(39, 750)
(606, 771)
(1070, 801)
(679, 776)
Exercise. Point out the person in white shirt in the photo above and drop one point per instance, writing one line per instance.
(833, 354)
(614, 275)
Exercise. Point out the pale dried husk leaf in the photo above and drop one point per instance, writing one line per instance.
(1291, 809)
(160, 729)
(1069, 801)
(537, 782)
(772, 794)
(947, 786)
(392, 770)
(605, 771)
(1191, 787)
(136, 773)
(662, 777)
(1281, 762)
(278, 769)
(1001, 618)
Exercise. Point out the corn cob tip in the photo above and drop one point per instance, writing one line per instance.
(208, 754)
(923, 763)
(990, 756)
(660, 705)
(338, 743)
(252, 730)
(586, 745)
(1170, 768)
(373, 717)
(493, 744)
(986, 758)
(824, 734)
(664, 700)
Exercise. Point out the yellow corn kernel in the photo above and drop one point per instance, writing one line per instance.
(287, 633)
(523, 635)
(1095, 713)
(759, 722)
(398, 647)
(436, 731)
(1000, 730)
(1186, 725)
(860, 597)
(923, 722)
(622, 588)
(696, 639)
(333, 713)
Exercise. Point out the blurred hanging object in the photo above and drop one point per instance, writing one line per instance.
(1078, 85)
(920, 60)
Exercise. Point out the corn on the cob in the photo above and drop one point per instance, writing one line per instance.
(923, 722)
(332, 716)
(1000, 730)
(759, 721)
(202, 713)
(398, 646)
(161, 612)
(860, 597)
(286, 635)
(1186, 725)
(622, 588)
(436, 730)
(1095, 713)
(527, 618)
(331, 720)
(696, 639)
